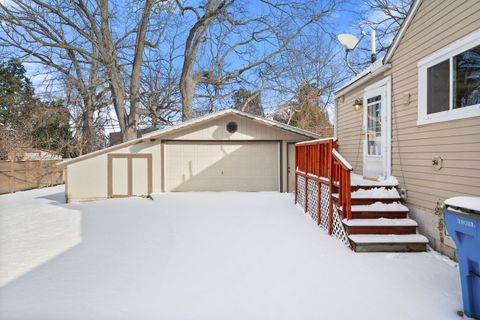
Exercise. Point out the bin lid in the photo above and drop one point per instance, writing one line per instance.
(471, 204)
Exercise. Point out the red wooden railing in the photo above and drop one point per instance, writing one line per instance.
(319, 161)
(341, 180)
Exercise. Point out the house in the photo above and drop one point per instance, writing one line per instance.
(225, 151)
(115, 138)
(31, 154)
(416, 113)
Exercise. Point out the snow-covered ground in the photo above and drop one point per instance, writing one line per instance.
(202, 256)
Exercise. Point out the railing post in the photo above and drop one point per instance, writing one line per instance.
(348, 205)
(330, 183)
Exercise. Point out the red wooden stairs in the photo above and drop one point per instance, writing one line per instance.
(370, 212)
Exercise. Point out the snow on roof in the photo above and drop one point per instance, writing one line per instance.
(468, 203)
(161, 132)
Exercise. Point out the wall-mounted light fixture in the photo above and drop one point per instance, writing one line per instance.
(358, 104)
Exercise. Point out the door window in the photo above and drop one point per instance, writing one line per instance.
(374, 126)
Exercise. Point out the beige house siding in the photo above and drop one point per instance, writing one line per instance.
(87, 179)
(435, 25)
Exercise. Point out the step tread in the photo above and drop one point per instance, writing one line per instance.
(376, 193)
(380, 222)
(387, 238)
(360, 181)
(380, 206)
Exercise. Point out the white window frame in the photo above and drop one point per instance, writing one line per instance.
(446, 53)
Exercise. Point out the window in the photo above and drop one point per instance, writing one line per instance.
(374, 126)
(449, 82)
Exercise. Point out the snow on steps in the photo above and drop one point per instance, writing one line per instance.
(388, 242)
(370, 196)
(358, 180)
(380, 206)
(381, 222)
(394, 210)
(380, 226)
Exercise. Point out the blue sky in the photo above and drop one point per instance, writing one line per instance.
(345, 20)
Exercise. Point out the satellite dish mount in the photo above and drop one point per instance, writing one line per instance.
(350, 43)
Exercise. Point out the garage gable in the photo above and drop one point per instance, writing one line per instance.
(241, 128)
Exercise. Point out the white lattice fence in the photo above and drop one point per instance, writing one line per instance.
(313, 199)
(312, 195)
(301, 191)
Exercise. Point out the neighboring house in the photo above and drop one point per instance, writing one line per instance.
(115, 138)
(29, 154)
(417, 113)
(225, 151)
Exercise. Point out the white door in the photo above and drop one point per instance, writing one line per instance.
(222, 166)
(376, 128)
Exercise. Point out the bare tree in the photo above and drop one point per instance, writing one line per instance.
(305, 78)
(227, 39)
(385, 17)
(88, 31)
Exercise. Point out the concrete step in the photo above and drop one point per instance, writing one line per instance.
(388, 243)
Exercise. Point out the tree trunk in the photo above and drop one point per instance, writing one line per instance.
(88, 132)
(187, 90)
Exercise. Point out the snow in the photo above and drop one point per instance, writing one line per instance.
(358, 180)
(202, 256)
(316, 140)
(342, 159)
(376, 193)
(469, 203)
(388, 238)
(380, 222)
(380, 206)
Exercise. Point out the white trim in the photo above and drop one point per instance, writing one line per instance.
(446, 53)
(402, 31)
(387, 148)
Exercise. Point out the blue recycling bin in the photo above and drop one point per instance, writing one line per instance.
(462, 219)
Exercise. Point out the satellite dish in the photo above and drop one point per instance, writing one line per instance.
(348, 41)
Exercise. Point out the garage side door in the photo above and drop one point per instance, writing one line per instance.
(222, 166)
(129, 175)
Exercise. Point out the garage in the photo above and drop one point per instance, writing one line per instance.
(222, 166)
(224, 151)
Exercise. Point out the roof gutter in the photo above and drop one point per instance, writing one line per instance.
(364, 79)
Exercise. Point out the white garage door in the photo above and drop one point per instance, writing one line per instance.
(225, 166)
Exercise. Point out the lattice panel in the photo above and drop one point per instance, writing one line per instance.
(301, 191)
(338, 230)
(324, 206)
(313, 199)
(312, 193)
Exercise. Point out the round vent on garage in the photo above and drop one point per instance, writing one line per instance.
(232, 126)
